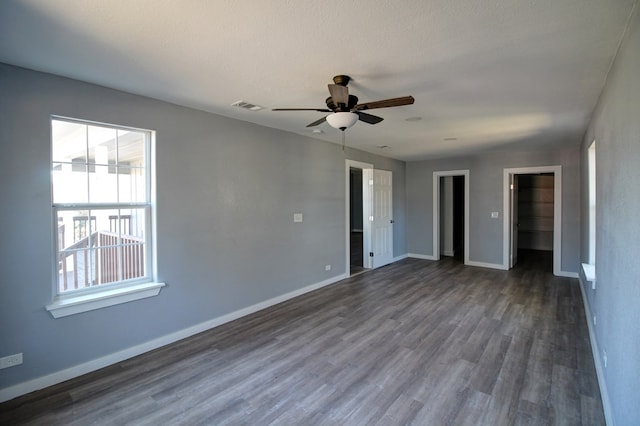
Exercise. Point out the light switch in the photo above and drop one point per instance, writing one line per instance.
(495, 215)
(297, 217)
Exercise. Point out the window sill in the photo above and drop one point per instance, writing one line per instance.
(63, 306)
(589, 272)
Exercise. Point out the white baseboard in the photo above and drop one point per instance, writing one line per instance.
(401, 257)
(421, 256)
(488, 265)
(470, 263)
(96, 364)
(448, 253)
(606, 403)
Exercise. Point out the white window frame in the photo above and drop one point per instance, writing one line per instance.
(591, 167)
(101, 296)
(589, 268)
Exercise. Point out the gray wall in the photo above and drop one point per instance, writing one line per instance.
(226, 193)
(616, 301)
(486, 196)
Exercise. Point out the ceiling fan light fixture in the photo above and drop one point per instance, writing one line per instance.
(342, 120)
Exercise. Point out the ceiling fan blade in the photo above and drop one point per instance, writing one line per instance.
(386, 103)
(339, 94)
(315, 123)
(302, 109)
(368, 118)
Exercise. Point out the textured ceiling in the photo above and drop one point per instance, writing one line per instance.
(517, 74)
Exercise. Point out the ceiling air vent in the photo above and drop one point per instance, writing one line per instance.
(247, 105)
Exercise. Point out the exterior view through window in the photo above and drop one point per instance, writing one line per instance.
(101, 204)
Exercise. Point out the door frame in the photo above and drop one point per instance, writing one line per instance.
(557, 213)
(367, 175)
(436, 210)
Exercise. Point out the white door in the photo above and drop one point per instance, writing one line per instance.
(514, 221)
(382, 223)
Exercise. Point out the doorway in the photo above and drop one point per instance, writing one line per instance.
(356, 241)
(452, 217)
(358, 211)
(369, 195)
(532, 219)
(451, 214)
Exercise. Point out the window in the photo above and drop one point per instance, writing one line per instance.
(101, 181)
(592, 202)
(589, 269)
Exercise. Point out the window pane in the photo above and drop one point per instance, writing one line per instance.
(105, 225)
(108, 268)
(69, 141)
(90, 244)
(102, 145)
(74, 268)
(133, 261)
(131, 225)
(100, 246)
(131, 148)
(132, 185)
(70, 183)
(103, 186)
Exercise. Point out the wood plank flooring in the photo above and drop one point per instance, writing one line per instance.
(416, 342)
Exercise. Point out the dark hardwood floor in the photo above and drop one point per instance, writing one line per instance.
(416, 342)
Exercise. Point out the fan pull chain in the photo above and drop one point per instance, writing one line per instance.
(343, 140)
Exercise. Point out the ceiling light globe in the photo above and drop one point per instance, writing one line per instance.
(342, 120)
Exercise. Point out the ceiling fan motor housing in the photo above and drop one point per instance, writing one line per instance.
(342, 80)
(353, 101)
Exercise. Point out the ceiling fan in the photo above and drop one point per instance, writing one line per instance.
(344, 108)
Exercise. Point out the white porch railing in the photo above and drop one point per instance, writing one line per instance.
(93, 260)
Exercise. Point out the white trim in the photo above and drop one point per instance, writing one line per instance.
(602, 384)
(557, 214)
(399, 258)
(366, 224)
(589, 272)
(66, 305)
(477, 264)
(421, 256)
(436, 211)
(567, 274)
(448, 253)
(488, 265)
(93, 365)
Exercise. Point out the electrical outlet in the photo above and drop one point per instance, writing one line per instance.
(604, 358)
(327, 267)
(11, 361)
(594, 320)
